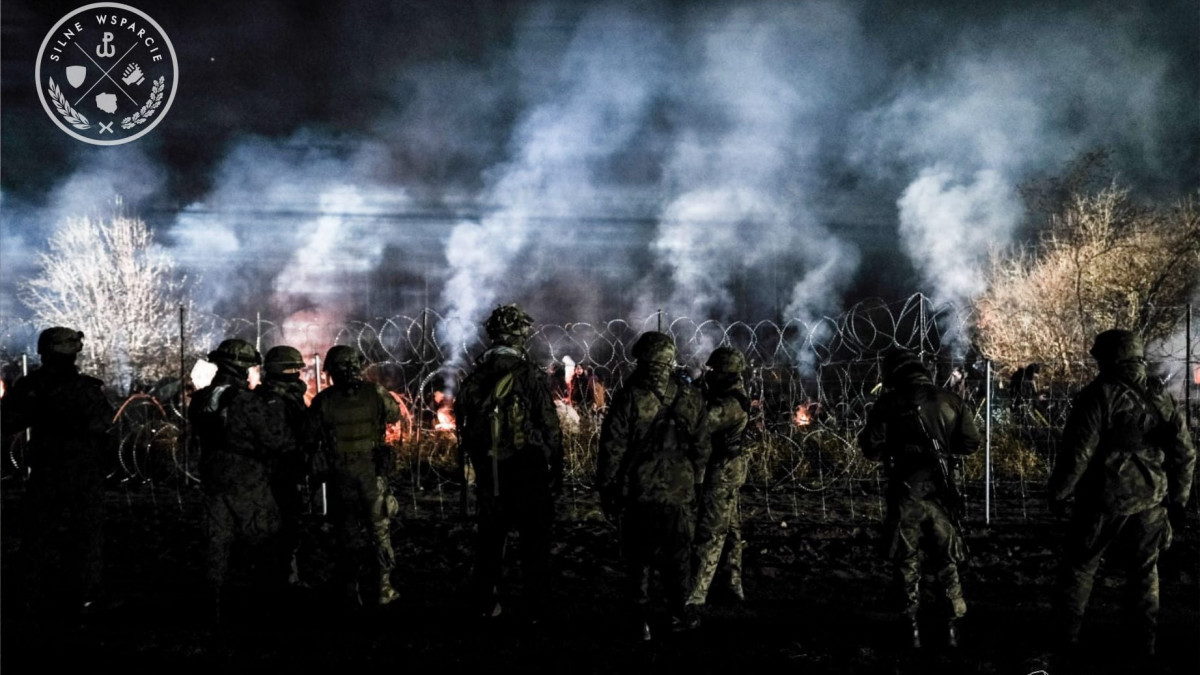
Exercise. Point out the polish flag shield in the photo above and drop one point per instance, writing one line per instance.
(76, 75)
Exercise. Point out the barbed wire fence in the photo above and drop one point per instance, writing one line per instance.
(811, 382)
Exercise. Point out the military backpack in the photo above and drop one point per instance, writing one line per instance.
(662, 470)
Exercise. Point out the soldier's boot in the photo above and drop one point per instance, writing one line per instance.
(952, 631)
(387, 594)
(913, 631)
(735, 571)
(688, 619)
(294, 579)
(641, 621)
(1068, 633)
(212, 611)
(735, 589)
(350, 599)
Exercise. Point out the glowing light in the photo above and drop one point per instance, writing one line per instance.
(396, 433)
(568, 416)
(445, 412)
(203, 373)
(804, 414)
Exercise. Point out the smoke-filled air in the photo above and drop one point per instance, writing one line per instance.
(726, 160)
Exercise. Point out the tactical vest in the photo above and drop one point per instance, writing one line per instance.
(352, 417)
(1132, 453)
(662, 470)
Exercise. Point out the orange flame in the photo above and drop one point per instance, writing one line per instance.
(445, 412)
(396, 433)
(568, 369)
(804, 414)
(1, 388)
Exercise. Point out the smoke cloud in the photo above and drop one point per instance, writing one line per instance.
(1002, 105)
(602, 161)
(743, 171)
(593, 108)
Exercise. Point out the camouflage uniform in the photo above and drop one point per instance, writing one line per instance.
(515, 486)
(919, 502)
(68, 416)
(1127, 461)
(283, 393)
(240, 436)
(653, 493)
(352, 416)
(719, 527)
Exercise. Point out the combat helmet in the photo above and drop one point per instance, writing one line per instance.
(342, 359)
(1118, 346)
(899, 364)
(508, 320)
(654, 347)
(60, 340)
(237, 353)
(726, 360)
(282, 358)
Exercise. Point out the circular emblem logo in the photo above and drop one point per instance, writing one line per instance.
(106, 73)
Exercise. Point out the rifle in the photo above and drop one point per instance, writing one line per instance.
(953, 496)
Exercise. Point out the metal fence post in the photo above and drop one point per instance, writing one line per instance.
(1188, 375)
(987, 459)
(25, 373)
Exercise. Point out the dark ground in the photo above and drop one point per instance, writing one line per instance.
(816, 602)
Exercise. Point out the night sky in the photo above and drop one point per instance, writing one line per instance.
(731, 160)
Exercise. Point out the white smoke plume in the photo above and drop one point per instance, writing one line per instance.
(946, 227)
(1023, 97)
(595, 103)
(306, 215)
(771, 82)
(608, 160)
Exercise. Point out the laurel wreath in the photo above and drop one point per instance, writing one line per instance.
(73, 117)
(151, 107)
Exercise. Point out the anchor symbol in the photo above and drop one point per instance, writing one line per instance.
(106, 51)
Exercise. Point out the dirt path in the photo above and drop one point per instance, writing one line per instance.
(816, 589)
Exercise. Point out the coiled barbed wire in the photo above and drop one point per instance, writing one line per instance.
(828, 365)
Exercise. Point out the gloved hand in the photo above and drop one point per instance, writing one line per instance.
(1060, 508)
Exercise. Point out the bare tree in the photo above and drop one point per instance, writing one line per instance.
(1102, 262)
(105, 277)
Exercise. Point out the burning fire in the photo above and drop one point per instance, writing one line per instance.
(445, 412)
(1, 388)
(569, 377)
(804, 414)
(395, 433)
